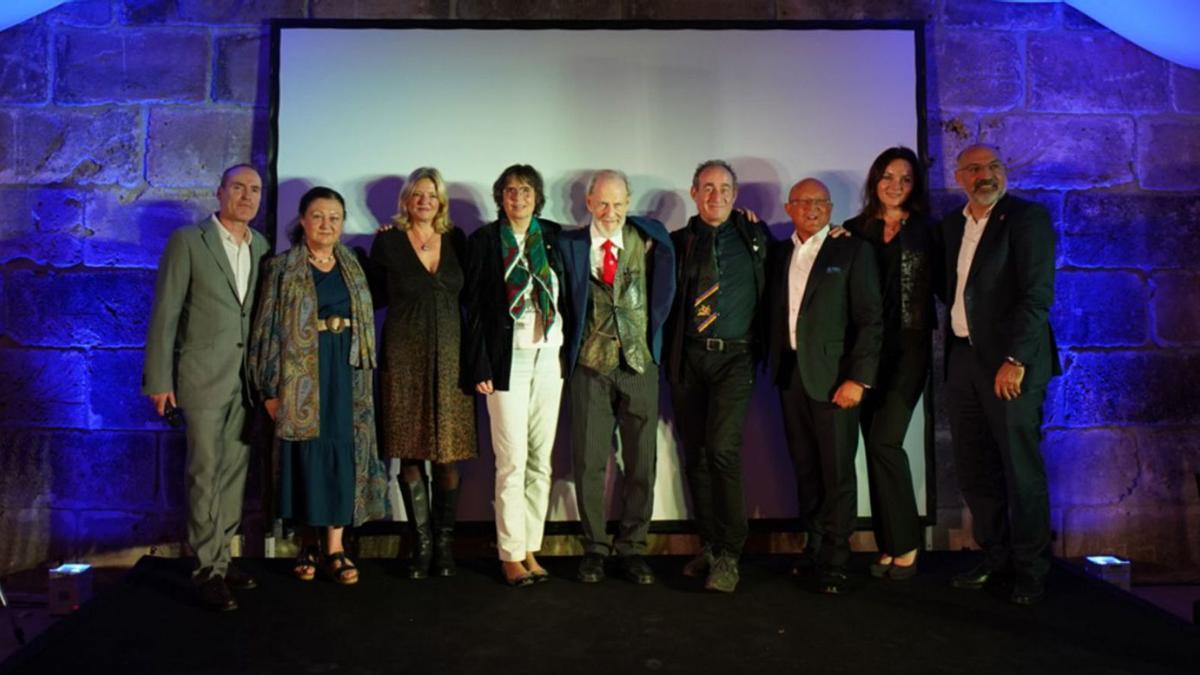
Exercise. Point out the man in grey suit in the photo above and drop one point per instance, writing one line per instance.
(196, 361)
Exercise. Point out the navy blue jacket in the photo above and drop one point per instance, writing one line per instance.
(576, 248)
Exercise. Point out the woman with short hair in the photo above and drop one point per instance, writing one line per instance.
(515, 342)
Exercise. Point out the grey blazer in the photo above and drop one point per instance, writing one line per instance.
(199, 330)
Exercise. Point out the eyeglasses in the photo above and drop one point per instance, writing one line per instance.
(522, 191)
(807, 203)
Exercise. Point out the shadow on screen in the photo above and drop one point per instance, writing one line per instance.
(383, 198)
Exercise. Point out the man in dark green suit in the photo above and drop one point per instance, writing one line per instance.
(196, 361)
(1000, 354)
(824, 337)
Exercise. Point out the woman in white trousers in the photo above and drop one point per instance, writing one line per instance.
(514, 352)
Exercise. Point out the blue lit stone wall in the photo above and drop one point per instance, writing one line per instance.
(116, 115)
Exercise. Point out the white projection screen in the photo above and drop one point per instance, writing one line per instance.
(359, 105)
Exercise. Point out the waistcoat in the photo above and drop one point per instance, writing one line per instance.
(618, 315)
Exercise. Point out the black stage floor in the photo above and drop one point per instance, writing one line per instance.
(474, 624)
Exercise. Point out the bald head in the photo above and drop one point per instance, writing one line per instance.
(809, 207)
(608, 200)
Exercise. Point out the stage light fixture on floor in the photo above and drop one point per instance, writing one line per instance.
(1109, 568)
(70, 587)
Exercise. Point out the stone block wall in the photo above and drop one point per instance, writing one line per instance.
(116, 115)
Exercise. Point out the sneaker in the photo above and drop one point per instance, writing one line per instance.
(635, 569)
(724, 575)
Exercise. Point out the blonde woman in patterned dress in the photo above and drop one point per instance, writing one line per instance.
(428, 410)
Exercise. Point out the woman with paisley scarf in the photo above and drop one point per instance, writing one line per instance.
(514, 348)
(312, 352)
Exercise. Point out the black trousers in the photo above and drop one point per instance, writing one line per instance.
(1001, 472)
(822, 439)
(885, 414)
(625, 402)
(710, 404)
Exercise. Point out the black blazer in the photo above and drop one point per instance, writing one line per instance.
(488, 338)
(915, 283)
(840, 329)
(758, 242)
(1010, 286)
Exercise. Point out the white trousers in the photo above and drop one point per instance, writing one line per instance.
(524, 420)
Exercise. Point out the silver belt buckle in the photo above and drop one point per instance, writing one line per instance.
(714, 345)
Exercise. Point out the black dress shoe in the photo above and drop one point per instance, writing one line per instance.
(214, 594)
(974, 578)
(1028, 590)
(832, 581)
(879, 570)
(591, 568)
(635, 569)
(902, 572)
(239, 580)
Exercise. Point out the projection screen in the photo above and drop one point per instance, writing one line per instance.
(359, 105)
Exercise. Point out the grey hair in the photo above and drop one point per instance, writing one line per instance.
(605, 174)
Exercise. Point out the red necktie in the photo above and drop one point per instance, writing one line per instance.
(610, 263)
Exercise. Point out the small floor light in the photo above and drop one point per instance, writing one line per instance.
(70, 587)
(1109, 568)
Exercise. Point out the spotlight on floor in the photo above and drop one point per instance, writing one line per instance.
(1109, 568)
(70, 587)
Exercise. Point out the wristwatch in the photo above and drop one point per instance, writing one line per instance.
(1014, 362)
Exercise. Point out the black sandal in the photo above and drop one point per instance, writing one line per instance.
(305, 567)
(340, 570)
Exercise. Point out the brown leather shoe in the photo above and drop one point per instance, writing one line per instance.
(214, 594)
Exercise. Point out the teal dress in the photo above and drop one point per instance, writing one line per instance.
(316, 477)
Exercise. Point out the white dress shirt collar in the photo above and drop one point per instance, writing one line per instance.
(598, 239)
(815, 240)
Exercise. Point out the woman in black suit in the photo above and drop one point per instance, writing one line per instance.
(895, 219)
(514, 351)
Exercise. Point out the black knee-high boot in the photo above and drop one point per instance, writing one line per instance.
(445, 512)
(416, 503)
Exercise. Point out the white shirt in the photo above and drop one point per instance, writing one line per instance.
(803, 257)
(239, 258)
(598, 240)
(966, 254)
(529, 332)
